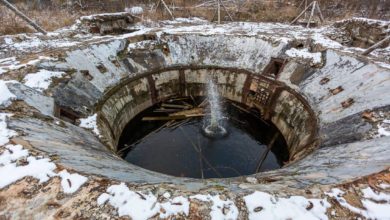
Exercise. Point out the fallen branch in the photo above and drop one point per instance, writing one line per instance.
(173, 117)
(194, 111)
(23, 16)
(165, 105)
(376, 46)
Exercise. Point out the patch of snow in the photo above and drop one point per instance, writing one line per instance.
(7, 61)
(30, 41)
(262, 205)
(192, 20)
(141, 44)
(71, 182)
(5, 133)
(384, 65)
(42, 79)
(376, 210)
(12, 153)
(220, 209)
(372, 209)
(6, 96)
(175, 206)
(11, 63)
(384, 186)
(95, 16)
(90, 123)
(8, 40)
(378, 197)
(136, 10)
(141, 206)
(316, 58)
(325, 41)
(7, 64)
(10, 171)
(167, 195)
(384, 128)
(368, 21)
(39, 168)
(338, 195)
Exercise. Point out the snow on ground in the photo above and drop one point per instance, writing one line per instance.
(376, 205)
(71, 182)
(90, 123)
(141, 206)
(370, 194)
(6, 96)
(262, 205)
(12, 153)
(96, 16)
(16, 163)
(136, 10)
(34, 40)
(324, 41)
(384, 186)
(366, 20)
(39, 168)
(5, 133)
(141, 44)
(175, 206)
(41, 80)
(220, 209)
(10, 171)
(10, 63)
(384, 128)
(192, 20)
(316, 58)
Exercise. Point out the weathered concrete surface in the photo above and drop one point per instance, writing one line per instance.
(361, 32)
(110, 23)
(361, 81)
(35, 99)
(79, 149)
(74, 147)
(108, 65)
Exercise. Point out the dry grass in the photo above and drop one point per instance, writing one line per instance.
(48, 19)
(56, 16)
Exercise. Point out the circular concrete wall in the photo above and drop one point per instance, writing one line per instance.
(275, 101)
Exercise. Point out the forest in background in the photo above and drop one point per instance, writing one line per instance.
(54, 14)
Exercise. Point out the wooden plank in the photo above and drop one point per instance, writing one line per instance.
(193, 111)
(219, 11)
(300, 15)
(169, 11)
(173, 117)
(227, 12)
(376, 46)
(311, 14)
(165, 105)
(319, 11)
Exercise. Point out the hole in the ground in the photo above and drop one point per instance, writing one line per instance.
(274, 67)
(272, 104)
(67, 114)
(180, 147)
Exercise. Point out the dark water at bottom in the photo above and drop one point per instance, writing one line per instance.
(184, 151)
